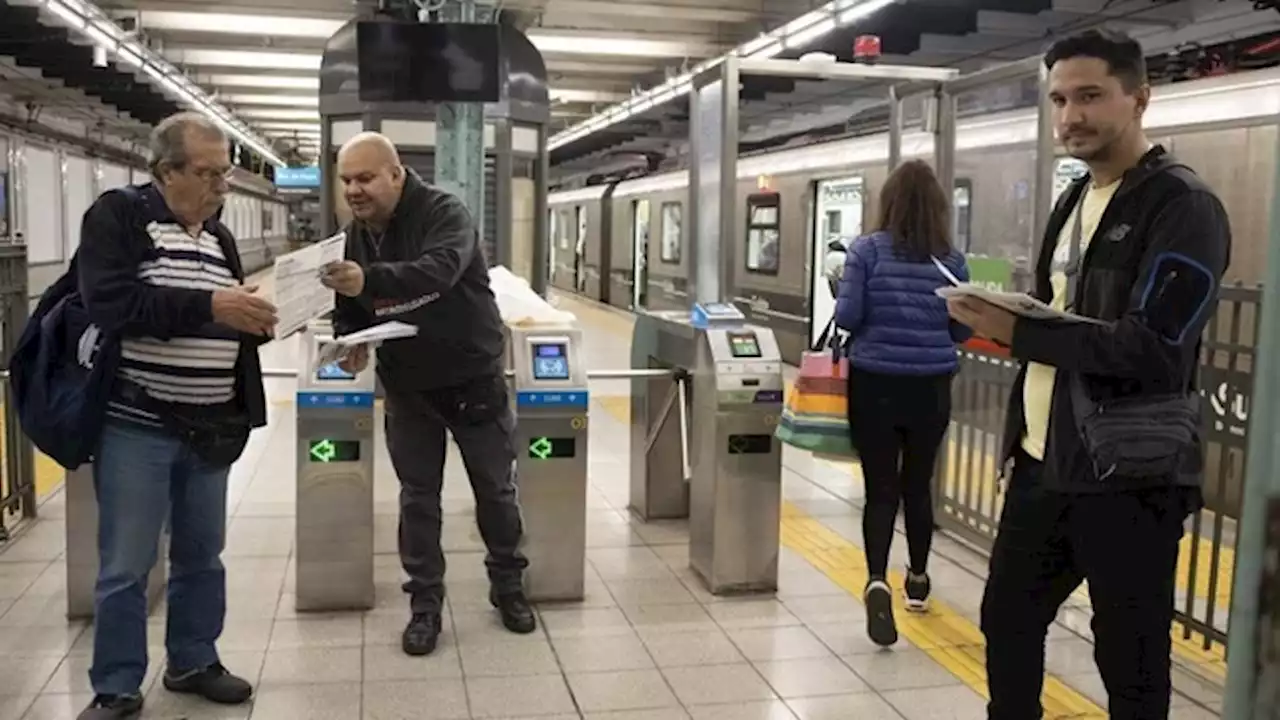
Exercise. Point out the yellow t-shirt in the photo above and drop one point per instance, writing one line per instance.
(1037, 391)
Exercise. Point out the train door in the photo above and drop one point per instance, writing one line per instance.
(580, 251)
(837, 216)
(639, 253)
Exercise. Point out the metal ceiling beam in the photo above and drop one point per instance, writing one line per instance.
(603, 67)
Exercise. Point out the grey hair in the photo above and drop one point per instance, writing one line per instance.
(168, 145)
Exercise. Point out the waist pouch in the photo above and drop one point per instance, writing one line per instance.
(1139, 437)
(216, 435)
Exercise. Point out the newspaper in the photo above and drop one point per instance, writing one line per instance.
(332, 351)
(1020, 304)
(300, 296)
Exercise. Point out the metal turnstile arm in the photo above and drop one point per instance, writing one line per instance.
(681, 380)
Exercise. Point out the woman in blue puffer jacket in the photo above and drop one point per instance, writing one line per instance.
(902, 356)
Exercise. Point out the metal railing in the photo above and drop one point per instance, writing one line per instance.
(968, 501)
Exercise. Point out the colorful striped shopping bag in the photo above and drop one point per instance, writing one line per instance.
(815, 415)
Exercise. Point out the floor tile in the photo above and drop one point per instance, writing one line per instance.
(436, 699)
(778, 643)
(899, 670)
(863, 706)
(310, 666)
(943, 703)
(759, 710)
(684, 649)
(518, 696)
(338, 701)
(389, 662)
(603, 653)
(502, 658)
(621, 690)
(811, 678)
(713, 684)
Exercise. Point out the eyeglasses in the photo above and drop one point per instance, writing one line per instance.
(211, 175)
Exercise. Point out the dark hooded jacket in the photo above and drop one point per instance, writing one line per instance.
(428, 271)
(1152, 270)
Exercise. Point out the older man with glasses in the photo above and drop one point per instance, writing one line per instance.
(157, 269)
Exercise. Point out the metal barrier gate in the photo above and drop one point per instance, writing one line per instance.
(17, 472)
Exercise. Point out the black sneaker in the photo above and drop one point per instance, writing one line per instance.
(517, 614)
(112, 707)
(916, 588)
(213, 683)
(880, 625)
(421, 635)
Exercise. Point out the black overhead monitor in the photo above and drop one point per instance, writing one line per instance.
(428, 62)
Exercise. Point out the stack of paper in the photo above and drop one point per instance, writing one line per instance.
(338, 348)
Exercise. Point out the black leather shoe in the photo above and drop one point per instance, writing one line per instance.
(213, 683)
(112, 707)
(422, 634)
(517, 614)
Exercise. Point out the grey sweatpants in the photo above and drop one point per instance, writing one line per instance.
(483, 426)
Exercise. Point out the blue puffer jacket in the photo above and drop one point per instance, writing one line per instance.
(887, 303)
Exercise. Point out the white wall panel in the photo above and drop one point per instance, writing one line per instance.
(114, 176)
(77, 184)
(42, 219)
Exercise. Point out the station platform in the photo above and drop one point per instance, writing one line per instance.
(647, 643)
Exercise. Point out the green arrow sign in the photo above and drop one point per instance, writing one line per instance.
(323, 450)
(540, 448)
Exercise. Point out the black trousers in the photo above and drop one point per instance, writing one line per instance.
(897, 423)
(1126, 546)
(480, 420)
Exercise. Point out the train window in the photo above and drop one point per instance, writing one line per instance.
(672, 231)
(763, 233)
(565, 229)
(4, 206)
(962, 200)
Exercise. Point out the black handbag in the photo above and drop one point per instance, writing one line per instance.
(1141, 437)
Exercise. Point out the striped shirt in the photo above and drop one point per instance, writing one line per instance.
(197, 369)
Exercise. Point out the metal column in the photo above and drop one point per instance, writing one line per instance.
(1253, 670)
(944, 138)
(713, 171)
(1046, 147)
(459, 161)
(895, 128)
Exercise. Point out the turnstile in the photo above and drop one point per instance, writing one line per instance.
(736, 488)
(334, 525)
(551, 402)
(659, 415)
(82, 548)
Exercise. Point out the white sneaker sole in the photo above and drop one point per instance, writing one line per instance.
(917, 606)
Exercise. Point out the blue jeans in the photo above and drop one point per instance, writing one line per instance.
(143, 477)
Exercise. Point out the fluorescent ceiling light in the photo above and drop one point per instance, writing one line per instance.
(261, 59)
(277, 100)
(279, 113)
(808, 35)
(239, 24)
(585, 96)
(303, 126)
(631, 47)
(800, 31)
(89, 20)
(277, 82)
(863, 9)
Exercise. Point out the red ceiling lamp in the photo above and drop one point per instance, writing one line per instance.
(866, 49)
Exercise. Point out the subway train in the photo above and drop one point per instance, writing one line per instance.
(623, 242)
(45, 189)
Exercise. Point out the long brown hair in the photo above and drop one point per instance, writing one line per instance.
(916, 212)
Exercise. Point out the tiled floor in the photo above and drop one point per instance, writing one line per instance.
(648, 643)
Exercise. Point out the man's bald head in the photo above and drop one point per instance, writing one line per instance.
(372, 177)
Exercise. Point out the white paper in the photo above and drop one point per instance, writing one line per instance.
(1020, 304)
(335, 349)
(300, 296)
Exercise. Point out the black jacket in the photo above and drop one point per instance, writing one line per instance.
(113, 242)
(1153, 267)
(428, 271)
